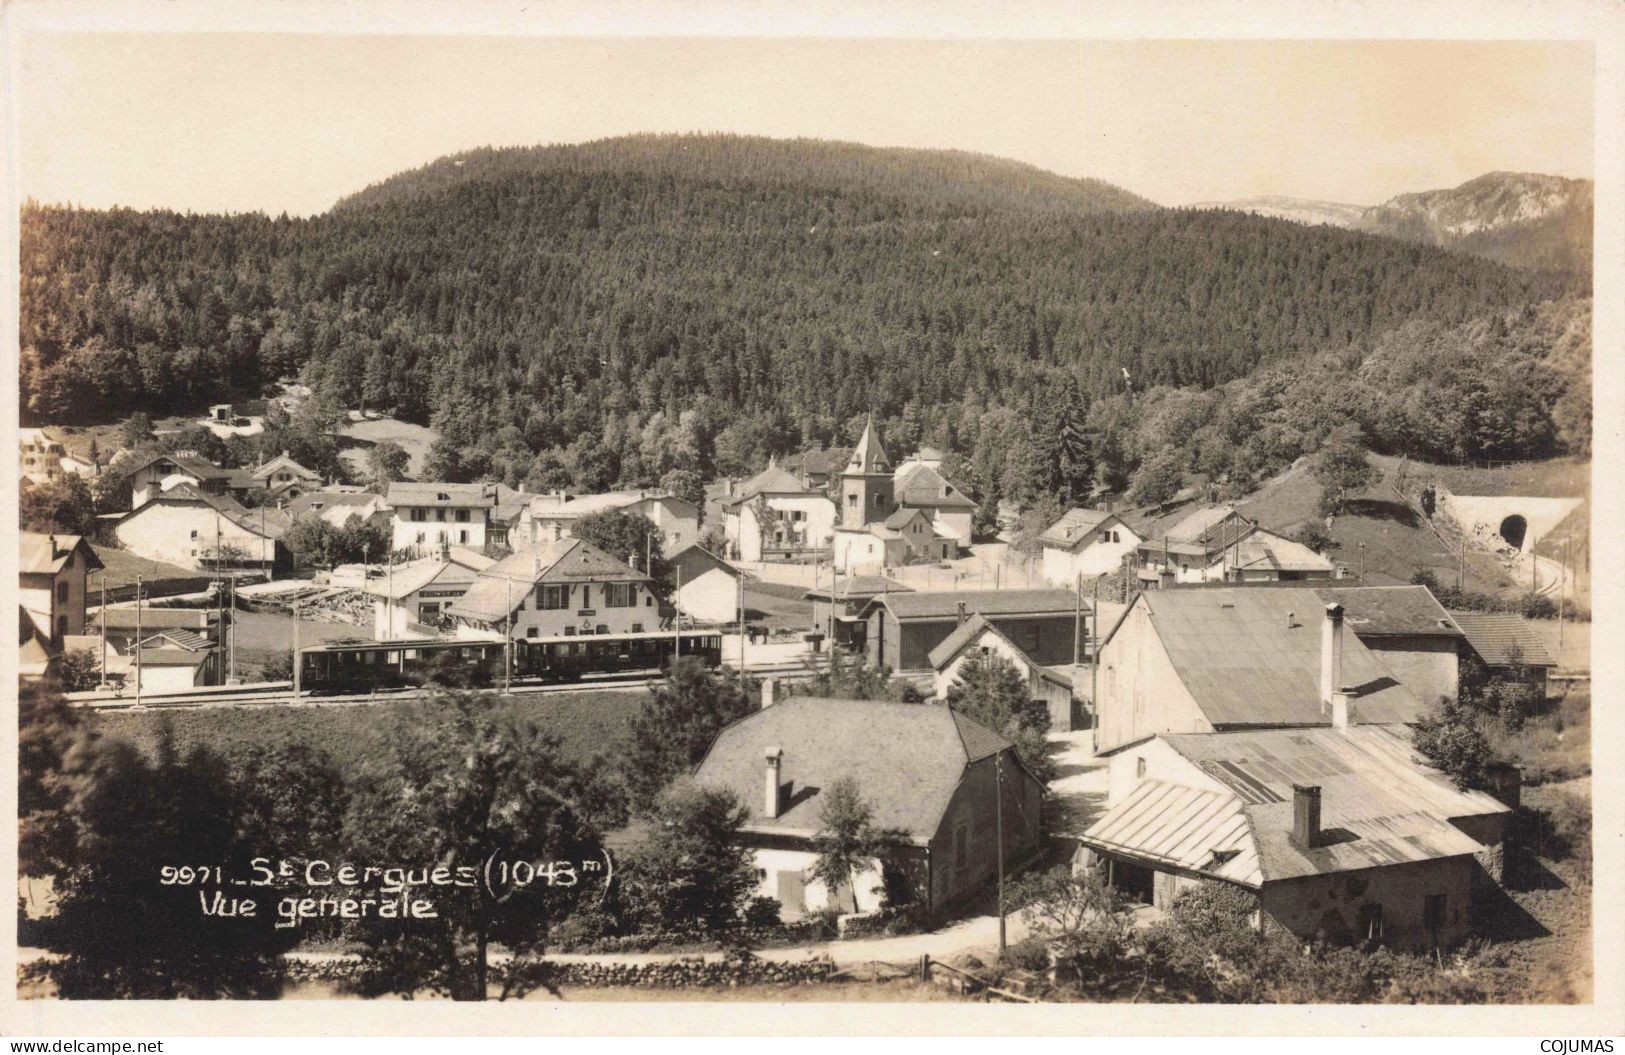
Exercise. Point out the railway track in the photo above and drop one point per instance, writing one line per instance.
(280, 694)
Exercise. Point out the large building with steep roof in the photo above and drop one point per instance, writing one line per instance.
(774, 517)
(930, 776)
(1086, 543)
(1218, 544)
(53, 572)
(427, 515)
(567, 588)
(191, 528)
(1051, 626)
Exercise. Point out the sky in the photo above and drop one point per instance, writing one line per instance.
(280, 122)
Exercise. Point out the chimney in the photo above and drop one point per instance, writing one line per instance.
(1291, 620)
(52, 537)
(769, 688)
(728, 487)
(770, 805)
(962, 615)
(1331, 653)
(1342, 707)
(1305, 816)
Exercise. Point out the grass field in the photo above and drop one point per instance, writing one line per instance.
(122, 567)
(262, 635)
(586, 724)
(415, 440)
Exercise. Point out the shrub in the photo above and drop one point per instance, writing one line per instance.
(761, 912)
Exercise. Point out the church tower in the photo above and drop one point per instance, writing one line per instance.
(866, 485)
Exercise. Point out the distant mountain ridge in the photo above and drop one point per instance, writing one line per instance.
(1522, 219)
(942, 176)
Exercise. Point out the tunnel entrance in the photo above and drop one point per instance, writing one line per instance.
(1513, 530)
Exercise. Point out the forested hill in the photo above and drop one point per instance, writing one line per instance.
(938, 177)
(540, 319)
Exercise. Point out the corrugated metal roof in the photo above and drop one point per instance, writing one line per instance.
(1182, 827)
(1245, 663)
(1499, 638)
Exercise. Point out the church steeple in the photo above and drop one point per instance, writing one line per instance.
(866, 485)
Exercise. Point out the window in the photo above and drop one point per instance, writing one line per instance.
(420, 537)
(420, 515)
(1368, 925)
(553, 597)
(440, 514)
(194, 535)
(569, 631)
(648, 600)
(462, 536)
(797, 515)
(1139, 767)
(462, 516)
(62, 591)
(530, 631)
(620, 595)
(428, 610)
(1433, 909)
(601, 628)
(852, 501)
(877, 501)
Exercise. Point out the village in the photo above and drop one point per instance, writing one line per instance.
(1147, 702)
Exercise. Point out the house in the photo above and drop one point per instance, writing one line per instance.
(1507, 647)
(918, 485)
(337, 507)
(905, 537)
(167, 644)
(927, 456)
(773, 517)
(504, 528)
(1408, 630)
(42, 456)
(409, 600)
(284, 478)
(53, 573)
(237, 419)
(427, 515)
(1206, 660)
(943, 784)
(146, 474)
(126, 624)
(1221, 545)
(187, 527)
(1341, 830)
(977, 636)
(1049, 625)
(35, 652)
(819, 469)
(839, 608)
(1086, 543)
(566, 588)
(877, 530)
(707, 587)
(169, 669)
(552, 517)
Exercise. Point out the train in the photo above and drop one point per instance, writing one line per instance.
(343, 667)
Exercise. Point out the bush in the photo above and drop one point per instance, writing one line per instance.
(582, 927)
(761, 912)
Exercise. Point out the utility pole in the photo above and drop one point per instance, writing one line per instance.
(296, 663)
(1077, 621)
(741, 622)
(231, 638)
(101, 617)
(677, 625)
(1562, 590)
(137, 640)
(507, 640)
(1461, 568)
(1362, 564)
(998, 825)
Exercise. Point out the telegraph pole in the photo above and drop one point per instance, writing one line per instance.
(998, 825)
(741, 622)
(677, 624)
(507, 641)
(296, 663)
(137, 640)
(231, 638)
(101, 617)
(1077, 620)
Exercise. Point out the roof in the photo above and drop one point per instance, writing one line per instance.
(1243, 663)
(39, 556)
(1206, 531)
(171, 657)
(407, 579)
(1187, 828)
(402, 493)
(869, 457)
(695, 560)
(972, 630)
(177, 637)
(770, 481)
(264, 521)
(944, 604)
(557, 507)
(283, 461)
(1379, 802)
(1075, 525)
(858, 587)
(900, 519)
(922, 485)
(510, 503)
(1266, 549)
(907, 760)
(1390, 611)
(1496, 636)
(153, 618)
(493, 596)
(326, 502)
(201, 468)
(821, 461)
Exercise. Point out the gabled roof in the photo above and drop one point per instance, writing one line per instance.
(1206, 532)
(973, 630)
(45, 554)
(944, 604)
(921, 485)
(1076, 525)
(403, 493)
(900, 519)
(198, 467)
(857, 587)
(153, 618)
(502, 587)
(327, 503)
(770, 481)
(1266, 549)
(510, 503)
(1245, 663)
(283, 461)
(264, 522)
(407, 579)
(869, 457)
(565, 507)
(178, 637)
(820, 461)
(1182, 827)
(906, 758)
(170, 657)
(695, 560)
(1390, 611)
(1496, 636)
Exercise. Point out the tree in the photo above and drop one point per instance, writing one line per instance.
(848, 841)
(1087, 924)
(685, 484)
(460, 783)
(629, 537)
(1157, 482)
(1450, 739)
(694, 871)
(387, 461)
(48, 731)
(991, 692)
(136, 430)
(847, 677)
(1343, 471)
(677, 723)
(78, 670)
(61, 506)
